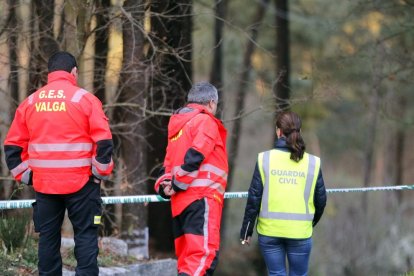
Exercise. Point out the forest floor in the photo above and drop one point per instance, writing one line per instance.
(24, 261)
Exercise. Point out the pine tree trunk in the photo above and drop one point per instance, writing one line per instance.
(101, 47)
(23, 44)
(171, 25)
(43, 44)
(373, 116)
(242, 87)
(281, 88)
(132, 130)
(240, 98)
(216, 73)
(5, 92)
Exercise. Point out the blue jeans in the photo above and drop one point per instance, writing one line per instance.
(275, 250)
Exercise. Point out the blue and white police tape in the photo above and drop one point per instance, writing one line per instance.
(27, 203)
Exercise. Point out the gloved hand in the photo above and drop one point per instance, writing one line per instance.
(163, 179)
(167, 188)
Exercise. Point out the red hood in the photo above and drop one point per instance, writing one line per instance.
(183, 115)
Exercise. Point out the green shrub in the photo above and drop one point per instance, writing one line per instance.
(13, 230)
(29, 253)
(22, 261)
(5, 264)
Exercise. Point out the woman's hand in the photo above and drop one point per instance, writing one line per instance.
(246, 241)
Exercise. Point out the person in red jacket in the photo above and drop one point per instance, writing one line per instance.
(60, 142)
(195, 177)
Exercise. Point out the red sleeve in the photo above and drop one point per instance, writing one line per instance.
(205, 132)
(165, 172)
(167, 160)
(16, 144)
(98, 122)
(100, 133)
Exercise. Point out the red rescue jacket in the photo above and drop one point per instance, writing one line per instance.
(196, 157)
(60, 136)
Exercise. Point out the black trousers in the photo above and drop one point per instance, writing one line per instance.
(84, 211)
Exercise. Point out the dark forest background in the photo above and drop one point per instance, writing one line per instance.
(345, 66)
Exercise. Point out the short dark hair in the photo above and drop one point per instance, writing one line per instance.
(61, 61)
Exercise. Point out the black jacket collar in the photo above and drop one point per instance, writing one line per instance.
(281, 144)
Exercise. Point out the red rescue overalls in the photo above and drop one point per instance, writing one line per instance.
(196, 161)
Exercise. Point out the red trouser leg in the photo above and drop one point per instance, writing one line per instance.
(197, 237)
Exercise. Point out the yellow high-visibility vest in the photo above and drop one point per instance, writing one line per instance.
(287, 207)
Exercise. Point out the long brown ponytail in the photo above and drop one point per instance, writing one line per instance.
(290, 124)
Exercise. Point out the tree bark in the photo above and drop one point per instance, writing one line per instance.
(5, 100)
(23, 48)
(70, 27)
(242, 87)
(132, 130)
(13, 77)
(216, 73)
(399, 160)
(395, 148)
(371, 131)
(171, 32)
(240, 99)
(281, 88)
(86, 24)
(112, 218)
(101, 47)
(43, 44)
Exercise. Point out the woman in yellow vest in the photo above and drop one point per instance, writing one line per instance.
(287, 196)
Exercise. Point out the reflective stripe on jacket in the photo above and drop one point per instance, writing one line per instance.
(62, 135)
(287, 207)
